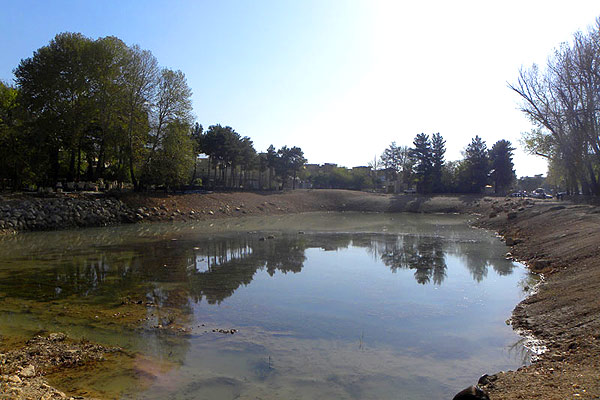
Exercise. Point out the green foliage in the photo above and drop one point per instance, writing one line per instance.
(473, 171)
(392, 157)
(14, 169)
(343, 178)
(173, 160)
(100, 109)
(438, 149)
(423, 169)
(229, 151)
(288, 164)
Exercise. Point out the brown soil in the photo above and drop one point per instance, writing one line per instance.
(558, 239)
(562, 241)
(161, 207)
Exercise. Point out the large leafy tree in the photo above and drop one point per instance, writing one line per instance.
(248, 159)
(272, 161)
(399, 159)
(56, 90)
(502, 167)
(14, 147)
(171, 165)
(102, 143)
(139, 80)
(562, 102)
(290, 161)
(228, 151)
(392, 157)
(170, 111)
(101, 108)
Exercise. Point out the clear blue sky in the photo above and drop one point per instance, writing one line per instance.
(339, 78)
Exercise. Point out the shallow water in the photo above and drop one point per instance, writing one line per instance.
(340, 306)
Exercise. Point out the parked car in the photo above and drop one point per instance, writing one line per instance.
(410, 191)
(540, 193)
(561, 195)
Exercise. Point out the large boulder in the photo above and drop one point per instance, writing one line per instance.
(471, 393)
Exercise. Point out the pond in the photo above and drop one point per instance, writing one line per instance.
(309, 306)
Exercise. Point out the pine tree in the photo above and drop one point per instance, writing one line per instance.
(423, 162)
(476, 166)
(503, 173)
(438, 149)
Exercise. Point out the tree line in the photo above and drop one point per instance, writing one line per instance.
(89, 110)
(424, 167)
(563, 103)
(232, 160)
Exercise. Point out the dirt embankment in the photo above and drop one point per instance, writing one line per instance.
(561, 241)
(159, 207)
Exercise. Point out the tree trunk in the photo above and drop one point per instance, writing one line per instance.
(54, 165)
(78, 172)
(207, 175)
(294, 181)
(99, 173)
(131, 170)
(71, 174)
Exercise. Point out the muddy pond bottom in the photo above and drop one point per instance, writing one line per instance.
(312, 306)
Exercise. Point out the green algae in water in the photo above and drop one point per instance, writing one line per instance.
(357, 305)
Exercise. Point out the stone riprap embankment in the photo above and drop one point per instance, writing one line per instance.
(35, 214)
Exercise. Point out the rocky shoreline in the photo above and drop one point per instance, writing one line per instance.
(29, 213)
(23, 369)
(34, 212)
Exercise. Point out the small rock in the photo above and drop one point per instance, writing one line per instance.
(57, 337)
(511, 215)
(540, 265)
(28, 371)
(511, 241)
(486, 379)
(15, 379)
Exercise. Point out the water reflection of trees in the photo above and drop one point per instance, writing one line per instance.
(173, 272)
(423, 254)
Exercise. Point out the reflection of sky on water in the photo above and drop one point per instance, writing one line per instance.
(382, 308)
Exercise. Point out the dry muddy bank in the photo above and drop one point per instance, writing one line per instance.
(561, 241)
